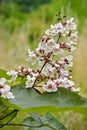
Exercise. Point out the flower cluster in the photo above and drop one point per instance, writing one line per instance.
(54, 69)
(5, 89)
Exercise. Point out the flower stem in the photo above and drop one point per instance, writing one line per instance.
(58, 38)
(46, 60)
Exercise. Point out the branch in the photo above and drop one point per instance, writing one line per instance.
(38, 126)
(58, 38)
(46, 60)
(14, 112)
(9, 114)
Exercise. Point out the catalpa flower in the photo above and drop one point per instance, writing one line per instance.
(30, 81)
(48, 70)
(5, 89)
(47, 46)
(67, 61)
(72, 39)
(50, 86)
(70, 24)
(64, 73)
(57, 49)
(32, 57)
(13, 74)
(64, 82)
(68, 83)
(75, 89)
(55, 29)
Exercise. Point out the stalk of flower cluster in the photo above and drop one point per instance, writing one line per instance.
(54, 69)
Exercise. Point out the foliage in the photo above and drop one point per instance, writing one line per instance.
(15, 19)
(30, 101)
(62, 100)
(40, 122)
(54, 98)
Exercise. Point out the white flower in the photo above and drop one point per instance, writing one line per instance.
(55, 29)
(42, 45)
(75, 89)
(47, 46)
(64, 82)
(68, 60)
(73, 38)
(57, 50)
(58, 82)
(12, 73)
(7, 95)
(30, 81)
(2, 81)
(48, 70)
(5, 89)
(69, 83)
(65, 62)
(32, 57)
(48, 32)
(50, 86)
(72, 48)
(70, 25)
(64, 73)
(41, 63)
(51, 43)
(10, 95)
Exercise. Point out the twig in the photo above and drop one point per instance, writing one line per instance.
(58, 38)
(38, 126)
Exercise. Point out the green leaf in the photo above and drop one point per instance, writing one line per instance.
(3, 74)
(7, 117)
(62, 100)
(39, 122)
(2, 107)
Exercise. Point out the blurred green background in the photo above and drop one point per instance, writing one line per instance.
(23, 22)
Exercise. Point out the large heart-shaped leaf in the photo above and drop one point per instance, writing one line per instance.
(39, 122)
(30, 100)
